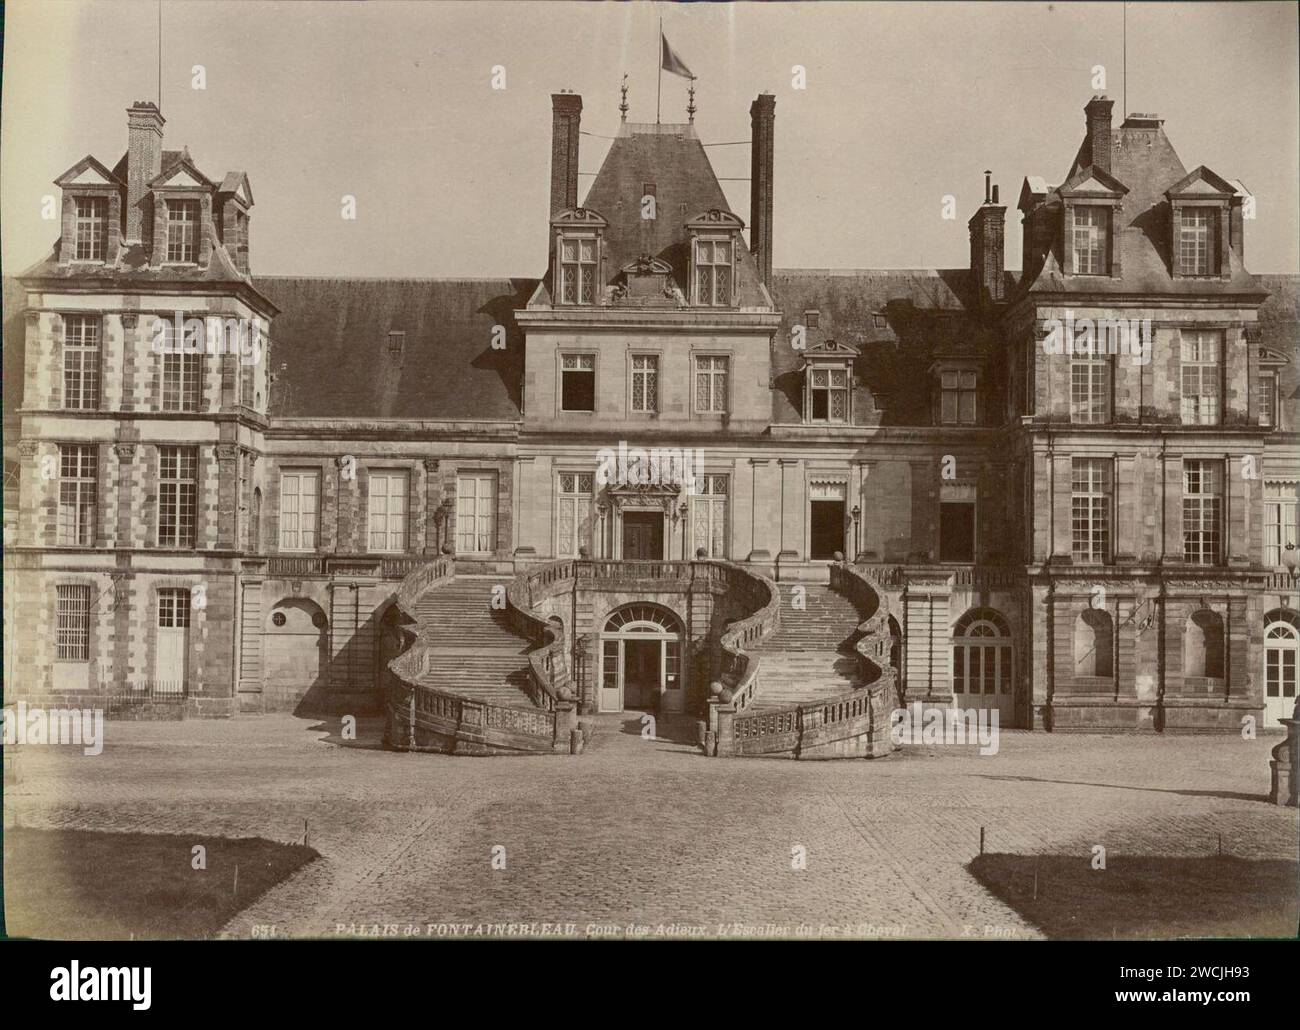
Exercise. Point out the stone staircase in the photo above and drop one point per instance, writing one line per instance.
(809, 658)
(473, 651)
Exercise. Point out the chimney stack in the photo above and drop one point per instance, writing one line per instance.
(762, 116)
(988, 246)
(1099, 135)
(566, 117)
(144, 132)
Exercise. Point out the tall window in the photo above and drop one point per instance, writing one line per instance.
(72, 611)
(78, 486)
(1268, 399)
(1090, 230)
(957, 398)
(1195, 240)
(574, 523)
(182, 371)
(1279, 522)
(1090, 490)
(387, 526)
(81, 362)
(92, 225)
(182, 231)
(476, 513)
(829, 394)
(711, 383)
(577, 271)
(709, 507)
(178, 491)
(1201, 365)
(299, 494)
(578, 382)
(1202, 511)
(713, 272)
(645, 382)
(1089, 389)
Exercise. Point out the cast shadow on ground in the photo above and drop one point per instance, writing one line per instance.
(1226, 795)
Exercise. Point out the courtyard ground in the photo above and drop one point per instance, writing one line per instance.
(640, 837)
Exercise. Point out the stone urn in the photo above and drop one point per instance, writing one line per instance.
(1286, 762)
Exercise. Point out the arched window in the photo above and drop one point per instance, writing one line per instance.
(1203, 645)
(1281, 656)
(981, 654)
(643, 618)
(1094, 644)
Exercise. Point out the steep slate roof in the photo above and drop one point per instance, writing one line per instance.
(330, 354)
(671, 157)
(331, 338)
(925, 310)
(1145, 162)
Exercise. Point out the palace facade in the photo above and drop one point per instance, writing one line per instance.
(1066, 491)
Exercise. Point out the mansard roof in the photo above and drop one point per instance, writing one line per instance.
(672, 159)
(330, 350)
(1144, 161)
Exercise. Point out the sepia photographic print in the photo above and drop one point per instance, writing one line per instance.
(529, 471)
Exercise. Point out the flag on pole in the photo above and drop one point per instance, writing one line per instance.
(669, 61)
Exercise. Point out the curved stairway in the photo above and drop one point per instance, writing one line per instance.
(810, 657)
(473, 651)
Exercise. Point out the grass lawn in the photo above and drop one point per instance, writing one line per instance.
(1145, 897)
(83, 885)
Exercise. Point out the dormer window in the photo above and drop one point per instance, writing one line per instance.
(1091, 239)
(714, 241)
(578, 270)
(713, 272)
(92, 228)
(957, 391)
(182, 231)
(577, 261)
(1196, 232)
(828, 392)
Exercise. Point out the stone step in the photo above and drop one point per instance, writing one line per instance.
(474, 652)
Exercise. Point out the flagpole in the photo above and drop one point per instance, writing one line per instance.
(660, 87)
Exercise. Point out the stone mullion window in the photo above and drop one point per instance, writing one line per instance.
(1202, 512)
(1091, 490)
(1201, 353)
(183, 225)
(82, 336)
(78, 494)
(711, 384)
(645, 383)
(177, 496)
(91, 228)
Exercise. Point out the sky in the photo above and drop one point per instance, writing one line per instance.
(393, 104)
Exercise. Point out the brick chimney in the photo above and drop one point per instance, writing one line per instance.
(144, 133)
(566, 116)
(1099, 135)
(988, 245)
(762, 118)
